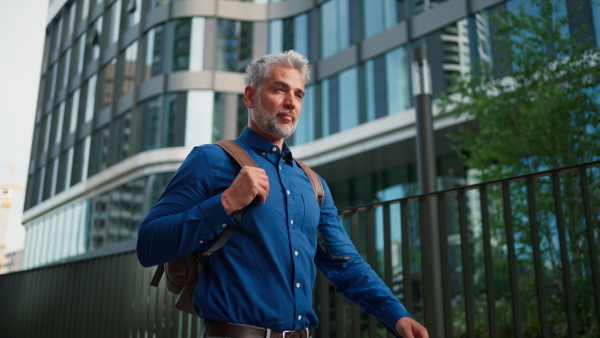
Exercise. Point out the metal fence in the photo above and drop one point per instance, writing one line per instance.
(519, 258)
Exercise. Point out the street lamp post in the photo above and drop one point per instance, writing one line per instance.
(433, 296)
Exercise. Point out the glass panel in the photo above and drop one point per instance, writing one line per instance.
(74, 109)
(275, 36)
(301, 34)
(328, 29)
(84, 9)
(115, 20)
(80, 48)
(153, 63)
(369, 90)
(181, 33)
(234, 45)
(107, 88)
(128, 67)
(325, 108)
(90, 99)
(397, 81)
(348, 96)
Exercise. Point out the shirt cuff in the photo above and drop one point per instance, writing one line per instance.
(214, 212)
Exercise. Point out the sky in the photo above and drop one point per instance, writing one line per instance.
(22, 33)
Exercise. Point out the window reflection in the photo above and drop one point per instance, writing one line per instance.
(335, 27)
(234, 45)
(161, 118)
(378, 15)
(128, 63)
(291, 33)
(115, 22)
(153, 61)
(398, 91)
(108, 83)
(180, 44)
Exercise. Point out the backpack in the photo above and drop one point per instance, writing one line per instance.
(182, 274)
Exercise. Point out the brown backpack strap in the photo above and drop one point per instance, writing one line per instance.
(157, 275)
(315, 181)
(237, 152)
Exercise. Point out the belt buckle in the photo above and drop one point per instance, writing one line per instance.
(291, 332)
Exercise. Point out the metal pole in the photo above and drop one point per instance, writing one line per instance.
(433, 295)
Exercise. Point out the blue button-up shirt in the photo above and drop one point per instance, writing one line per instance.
(264, 274)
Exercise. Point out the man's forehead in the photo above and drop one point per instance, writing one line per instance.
(286, 75)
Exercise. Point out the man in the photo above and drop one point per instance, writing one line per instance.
(261, 281)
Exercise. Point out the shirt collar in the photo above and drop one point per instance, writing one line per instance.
(260, 145)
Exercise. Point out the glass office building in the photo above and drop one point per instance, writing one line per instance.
(128, 87)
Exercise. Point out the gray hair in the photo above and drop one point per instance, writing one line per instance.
(260, 69)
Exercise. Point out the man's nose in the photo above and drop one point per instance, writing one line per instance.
(288, 101)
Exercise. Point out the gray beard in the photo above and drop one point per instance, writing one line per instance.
(268, 124)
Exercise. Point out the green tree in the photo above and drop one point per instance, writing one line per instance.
(542, 113)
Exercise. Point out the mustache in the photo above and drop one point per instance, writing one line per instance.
(289, 112)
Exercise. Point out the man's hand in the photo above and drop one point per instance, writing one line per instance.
(250, 183)
(409, 328)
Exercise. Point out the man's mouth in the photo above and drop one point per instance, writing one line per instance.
(287, 117)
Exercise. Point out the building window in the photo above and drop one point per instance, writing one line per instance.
(107, 83)
(133, 10)
(335, 27)
(162, 122)
(73, 109)
(234, 45)
(70, 16)
(79, 49)
(348, 96)
(155, 46)
(115, 22)
(89, 89)
(84, 8)
(56, 34)
(291, 33)
(98, 151)
(63, 70)
(398, 85)
(378, 15)
(127, 67)
(181, 33)
(93, 41)
(122, 127)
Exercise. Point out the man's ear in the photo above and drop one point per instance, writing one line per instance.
(249, 96)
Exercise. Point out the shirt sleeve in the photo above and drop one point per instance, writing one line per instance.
(354, 279)
(188, 214)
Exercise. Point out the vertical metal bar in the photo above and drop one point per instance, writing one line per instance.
(489, 265)
(372, 259)
(445, 265)
(537, 258)
(340, 315)
(354, 231)
(467, 265)
(591, 238)
(387, 247)
(512, 260)
(406, 271)
(564, 257)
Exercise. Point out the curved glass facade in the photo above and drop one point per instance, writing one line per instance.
(123, 78)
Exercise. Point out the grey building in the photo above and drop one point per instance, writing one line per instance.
(128, 87)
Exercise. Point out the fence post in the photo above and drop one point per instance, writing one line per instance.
(433, 296)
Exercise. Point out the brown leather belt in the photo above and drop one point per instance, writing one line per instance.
(213, 329)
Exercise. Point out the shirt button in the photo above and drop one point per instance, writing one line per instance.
(296, 253)
(203, 242)
(264, 154)
(299, 317)
(298, 285)
(279, 167)
(274, 149)
(288, 192)
(291, 222)
(223, 225)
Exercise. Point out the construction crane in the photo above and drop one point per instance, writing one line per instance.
(6, 191)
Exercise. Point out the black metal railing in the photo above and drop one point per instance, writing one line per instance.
(519, 259)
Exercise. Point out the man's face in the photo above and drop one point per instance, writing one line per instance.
(276, 107)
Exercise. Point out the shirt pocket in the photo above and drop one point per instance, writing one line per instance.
(310, 217)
